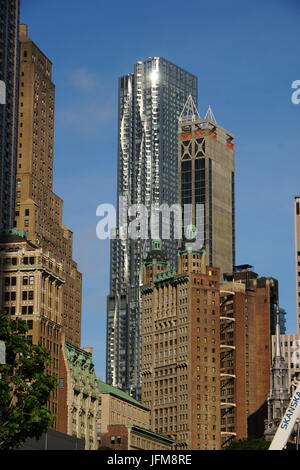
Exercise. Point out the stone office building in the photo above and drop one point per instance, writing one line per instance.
(38, 209)
(31, 284)
(124, 423)
(79, 395)
(181, 349)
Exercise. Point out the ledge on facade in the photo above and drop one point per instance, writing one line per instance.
(151, 434)
(117, 392)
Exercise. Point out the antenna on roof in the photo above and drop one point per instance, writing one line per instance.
(189, 112)
(210, 115)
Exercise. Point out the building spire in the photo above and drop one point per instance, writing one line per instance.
(210, 115)
(278, 347)
(189, 112)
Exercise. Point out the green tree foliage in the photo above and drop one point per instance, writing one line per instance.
(24, 386)
(252, 443)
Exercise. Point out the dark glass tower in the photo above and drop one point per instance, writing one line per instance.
(9, 51)
(150, 102)
(206, 173)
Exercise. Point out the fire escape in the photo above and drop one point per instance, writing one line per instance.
(227, 349)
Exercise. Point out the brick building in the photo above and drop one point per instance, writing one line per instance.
(181, 349)
(130, 437)
(248, 316)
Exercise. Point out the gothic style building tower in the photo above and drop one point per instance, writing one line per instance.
(279, 396)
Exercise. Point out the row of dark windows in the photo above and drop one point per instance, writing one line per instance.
(26, 295)
(27, 260)
(12, 281)
(25, 310)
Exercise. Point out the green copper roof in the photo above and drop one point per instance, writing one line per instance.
(191, 251)
(105, 388)
(148, 433)
(15, 231)
(165, 275)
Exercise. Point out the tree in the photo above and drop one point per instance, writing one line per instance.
(252, 443)
(24, 386)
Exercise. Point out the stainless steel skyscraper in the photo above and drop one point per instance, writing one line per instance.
(150, 102)
(9, 64)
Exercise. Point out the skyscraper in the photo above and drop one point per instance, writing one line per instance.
(206, 155)
(150, 102)
(38, 209)
(248, 320)
(9, 50)
(181, 349)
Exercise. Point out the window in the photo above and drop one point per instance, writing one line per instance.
(26, 212)
(27, 310)
(61, 383)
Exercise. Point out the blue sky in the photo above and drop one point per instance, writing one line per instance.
(246, 57)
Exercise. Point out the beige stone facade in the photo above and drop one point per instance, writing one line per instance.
(117, 407)
(181, 350)
(124, 423)
(79, 395)
(31, 289)
(38, 209)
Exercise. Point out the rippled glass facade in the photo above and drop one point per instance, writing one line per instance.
(150, 102)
